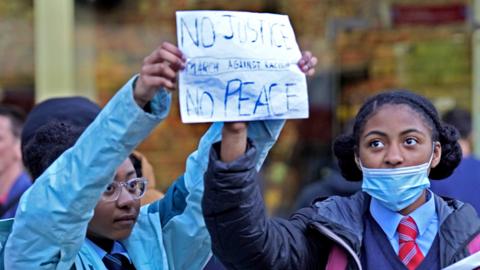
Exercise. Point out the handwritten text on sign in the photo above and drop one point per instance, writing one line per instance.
(241, 66)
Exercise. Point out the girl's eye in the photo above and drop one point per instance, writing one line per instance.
(376, 144)
(110, 189)
(411, 141)
(132, 185)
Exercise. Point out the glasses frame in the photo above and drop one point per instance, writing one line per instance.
(123, 185)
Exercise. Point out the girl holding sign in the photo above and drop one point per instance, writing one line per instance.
(83, 211)
(398, 143)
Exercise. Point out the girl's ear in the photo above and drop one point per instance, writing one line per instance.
(437, 154)
(357, 161)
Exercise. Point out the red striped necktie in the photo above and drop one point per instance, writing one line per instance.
(409, 252)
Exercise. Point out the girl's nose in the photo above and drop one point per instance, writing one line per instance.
(393, 156)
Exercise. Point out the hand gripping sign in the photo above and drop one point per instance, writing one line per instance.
(240, 66)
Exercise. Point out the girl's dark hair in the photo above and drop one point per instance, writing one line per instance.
(48, 143)
(345, 145)
(137, 165)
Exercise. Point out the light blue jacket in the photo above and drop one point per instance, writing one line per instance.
(52, 218)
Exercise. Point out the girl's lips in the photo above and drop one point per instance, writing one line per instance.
(126, 220)
(125, 217)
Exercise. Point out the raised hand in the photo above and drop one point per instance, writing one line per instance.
(307, 63)
(234, 141)
(234, 134)
(159, 70)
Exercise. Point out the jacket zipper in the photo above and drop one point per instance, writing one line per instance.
(334, 237)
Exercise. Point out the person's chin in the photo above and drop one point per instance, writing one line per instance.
(124, 224)
(123, 228)
(120, 234)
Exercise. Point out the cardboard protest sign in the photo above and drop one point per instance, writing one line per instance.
(241, 66)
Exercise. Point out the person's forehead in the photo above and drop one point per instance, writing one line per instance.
(125, 170)
(397, 116)
(5, 123)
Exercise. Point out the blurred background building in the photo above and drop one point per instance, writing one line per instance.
(91, 47)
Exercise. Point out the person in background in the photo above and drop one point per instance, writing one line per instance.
(13, 179)
(398, 142)
(331, 183)
(143, 168)
(464, 183)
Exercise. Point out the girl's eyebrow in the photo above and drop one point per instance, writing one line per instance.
(130, 174)
(375, 132)
(410, 130)
(383, 134)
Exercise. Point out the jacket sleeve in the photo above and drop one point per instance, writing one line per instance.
(187, 242)
(53, 215)
(243, 237)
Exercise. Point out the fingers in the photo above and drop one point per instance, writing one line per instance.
(307, 63)
(234, 127)
(173, 49)
(234, 141)
(313, 62)
(156, 76)
(306, 55)
(161, 69)
(167, 52)
(310, 72)
(158, 82)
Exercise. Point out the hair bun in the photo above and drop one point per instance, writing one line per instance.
(47, 144)
(449, 133)
(344, 150)
(451, 152)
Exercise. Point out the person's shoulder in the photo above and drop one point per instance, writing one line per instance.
(456, 212)
(348, 209)
(355, 200)
(471, 161)
(24, 180)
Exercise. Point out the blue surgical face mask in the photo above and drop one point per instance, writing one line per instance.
(396, 188)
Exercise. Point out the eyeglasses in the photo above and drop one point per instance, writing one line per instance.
(136, 187)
